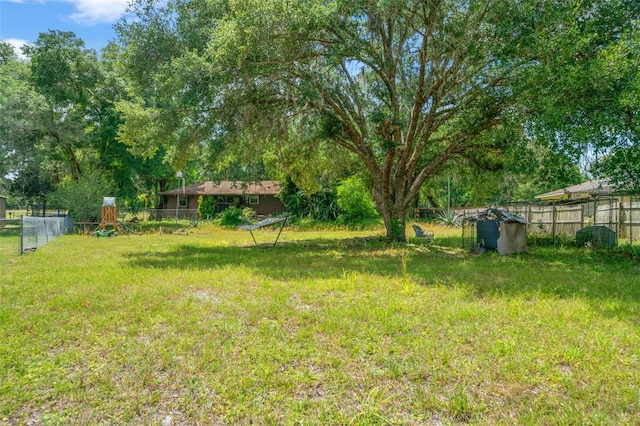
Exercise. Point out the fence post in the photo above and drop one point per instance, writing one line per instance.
(619, 218)
(631, 199)
(553, 224)
(21, 234)
(611, 216)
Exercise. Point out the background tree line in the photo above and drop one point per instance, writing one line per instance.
(507, 99)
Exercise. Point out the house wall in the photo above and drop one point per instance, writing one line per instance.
(184, 212)
(267, 205)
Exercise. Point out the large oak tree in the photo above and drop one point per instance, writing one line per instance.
(404, 86)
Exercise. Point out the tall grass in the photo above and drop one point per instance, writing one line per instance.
(328, 327)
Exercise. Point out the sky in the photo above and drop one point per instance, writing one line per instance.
(21, 21)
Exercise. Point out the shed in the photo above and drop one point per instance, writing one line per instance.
(495, 229)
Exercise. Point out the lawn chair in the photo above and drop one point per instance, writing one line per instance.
(421, 234)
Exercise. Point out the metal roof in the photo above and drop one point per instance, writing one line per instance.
(493, 213)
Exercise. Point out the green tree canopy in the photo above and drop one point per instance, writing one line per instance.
(57, 114)
(589, 104)
(406, 87)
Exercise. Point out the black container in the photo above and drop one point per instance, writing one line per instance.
(488, 234)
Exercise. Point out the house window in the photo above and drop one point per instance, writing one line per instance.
(223, 202)
(183, 201)
(254, 199)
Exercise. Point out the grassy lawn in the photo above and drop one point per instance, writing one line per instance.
(325, 328)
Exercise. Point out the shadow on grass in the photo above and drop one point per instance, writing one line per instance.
(570, 273)
(608, 281)
(286, 261)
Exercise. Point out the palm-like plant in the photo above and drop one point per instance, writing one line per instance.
(449, 218)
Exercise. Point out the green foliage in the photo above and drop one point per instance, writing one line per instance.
(294, 199)
(63, 69)
(396, 231)
(622, 165)
(33, 184)
(632, 250)
(207, 206)
(436, 83)
(321, 205)
(589, 105)
(83, 198)
(231, 217)
(249, 215)
(22, 119)
(57, 114)
(67, 76)
(355, 202)
(449, 218)
(7, 54)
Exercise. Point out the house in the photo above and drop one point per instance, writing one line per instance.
(262, 196)
(576, 192)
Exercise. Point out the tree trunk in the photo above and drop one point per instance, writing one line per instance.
(395, 221)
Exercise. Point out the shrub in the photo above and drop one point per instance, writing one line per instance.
(321, 205)
(206, 207)
(449, 218)
(83, 198)
(355, 202)
(231, 217)
(249, 215)
(632, 251)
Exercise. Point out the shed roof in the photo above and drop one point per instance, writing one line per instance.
(227, 187)
(493, 213)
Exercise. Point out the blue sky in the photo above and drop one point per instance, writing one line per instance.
(21, 21)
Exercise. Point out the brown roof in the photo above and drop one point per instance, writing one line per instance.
(227, 187)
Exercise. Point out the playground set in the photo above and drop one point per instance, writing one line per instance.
(109, 224)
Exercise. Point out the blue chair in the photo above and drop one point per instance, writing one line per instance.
(422, 234)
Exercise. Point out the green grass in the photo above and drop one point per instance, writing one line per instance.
(328, 327)
(9, 240)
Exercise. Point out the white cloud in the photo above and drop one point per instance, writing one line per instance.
(17, 45)
(90, 12)
(98, 11)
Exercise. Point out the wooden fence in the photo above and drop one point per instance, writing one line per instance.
(621, 214)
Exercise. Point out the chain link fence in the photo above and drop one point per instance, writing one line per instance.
(38, 231)
(601, 222)
(615, 219)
